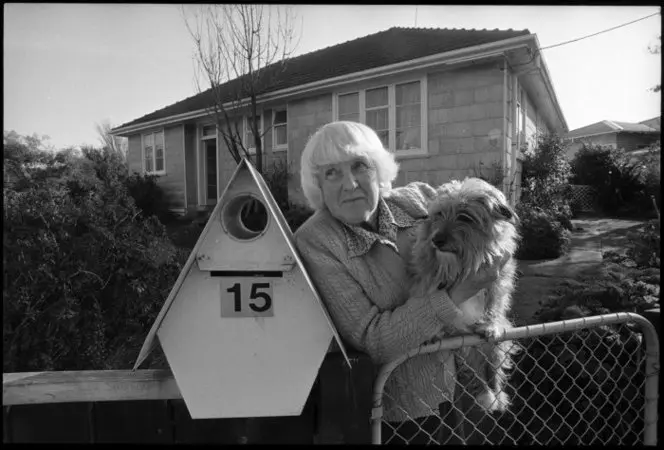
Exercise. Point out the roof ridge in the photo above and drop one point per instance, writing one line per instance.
(613, 125)
(455, 29)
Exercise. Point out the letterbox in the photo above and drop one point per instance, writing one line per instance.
(243, 329)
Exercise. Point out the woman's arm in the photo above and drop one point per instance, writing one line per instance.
(383, 335)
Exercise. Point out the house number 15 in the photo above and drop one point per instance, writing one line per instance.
(246, 298)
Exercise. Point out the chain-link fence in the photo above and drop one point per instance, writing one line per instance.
(584, 381)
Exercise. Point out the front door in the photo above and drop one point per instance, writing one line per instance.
(210, 150)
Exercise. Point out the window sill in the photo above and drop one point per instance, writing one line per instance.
(158, 174)
(407, 154)
(283, 148)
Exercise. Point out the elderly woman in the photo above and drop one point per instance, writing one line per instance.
(356, 247)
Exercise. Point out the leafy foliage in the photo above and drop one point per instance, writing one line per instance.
(542, 234)
(644, 245)
(545, 173)
(592, 377)
(627, 283)
(85, 271)
(624, 184)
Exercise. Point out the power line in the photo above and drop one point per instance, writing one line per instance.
(584, 37)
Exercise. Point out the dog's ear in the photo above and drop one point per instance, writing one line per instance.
(505, 212)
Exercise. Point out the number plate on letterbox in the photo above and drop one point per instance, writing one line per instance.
(246, 297)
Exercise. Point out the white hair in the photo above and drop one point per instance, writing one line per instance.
(338, 142)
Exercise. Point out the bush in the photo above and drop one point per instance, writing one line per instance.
(643, 245)
(586, 386)
(88, 272)
(296, 215)
(149, 197)
(545, 173)
(542, 235)
(277, 177)
(624, 184)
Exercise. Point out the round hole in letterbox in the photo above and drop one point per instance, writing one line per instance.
(244, 217)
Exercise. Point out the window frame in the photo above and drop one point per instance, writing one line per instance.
(391, 95)
(276, 147)
(154, 152)
(245, 128)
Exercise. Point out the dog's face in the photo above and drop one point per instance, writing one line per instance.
(470, 223)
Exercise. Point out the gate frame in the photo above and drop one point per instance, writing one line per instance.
(650, 338)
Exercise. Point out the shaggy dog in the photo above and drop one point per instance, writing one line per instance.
(470, 225)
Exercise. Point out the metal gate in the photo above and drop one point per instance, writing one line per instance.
(584, 381)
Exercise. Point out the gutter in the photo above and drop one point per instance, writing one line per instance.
(544, 72)
(447, 58)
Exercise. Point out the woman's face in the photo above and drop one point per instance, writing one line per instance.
(350, 189)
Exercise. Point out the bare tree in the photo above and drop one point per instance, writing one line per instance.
(116, 144)
(240, 50)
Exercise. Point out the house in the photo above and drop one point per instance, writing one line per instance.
(632, 137)
(447, 102)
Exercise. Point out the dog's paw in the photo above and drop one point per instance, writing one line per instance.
(491, 402)
(487, 330)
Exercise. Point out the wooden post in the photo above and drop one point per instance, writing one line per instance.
(344, 400)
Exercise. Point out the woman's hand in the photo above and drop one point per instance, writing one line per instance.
(482, 279)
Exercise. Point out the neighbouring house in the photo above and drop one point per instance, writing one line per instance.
(632, 137)
(448, 102)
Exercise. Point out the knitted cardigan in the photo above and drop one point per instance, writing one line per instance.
(362, 278)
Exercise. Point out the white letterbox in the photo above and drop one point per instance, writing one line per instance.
(243, 329)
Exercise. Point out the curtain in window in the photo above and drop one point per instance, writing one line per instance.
(349, 107)
(377, 113)
(250, 141)
(408, 120)
(148, 146)
(159, 151)
(280, 128)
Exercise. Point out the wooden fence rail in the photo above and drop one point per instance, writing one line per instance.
(146, 407)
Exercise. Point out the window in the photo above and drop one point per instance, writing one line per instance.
(519, 138)
(153, 153)
(249, 142)
(377, 113)
(395, 112)
(349, 107)
(209, 131)
(409, 120)
(280, 129)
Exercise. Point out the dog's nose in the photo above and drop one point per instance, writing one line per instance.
(439, 240)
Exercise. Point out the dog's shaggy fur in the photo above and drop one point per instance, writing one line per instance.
(470, 225)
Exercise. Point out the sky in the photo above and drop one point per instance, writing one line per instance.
(70, 66)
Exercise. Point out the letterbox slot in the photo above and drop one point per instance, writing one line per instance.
(247, 273)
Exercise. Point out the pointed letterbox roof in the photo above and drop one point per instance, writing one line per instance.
(285, 232)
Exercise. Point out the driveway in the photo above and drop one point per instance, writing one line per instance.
(539, 279)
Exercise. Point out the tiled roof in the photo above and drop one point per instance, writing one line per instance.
(387, 47)
(610, 126)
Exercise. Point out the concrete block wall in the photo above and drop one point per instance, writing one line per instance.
(173, 181)
(305, 116)
(465, 125)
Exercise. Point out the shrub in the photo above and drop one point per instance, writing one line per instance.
(624, 184)
(582, 387)
(545, 173)
(542, 235)
(88, 272)
(277, 177)
(643, 245)
(296, 215)
(149, 197)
